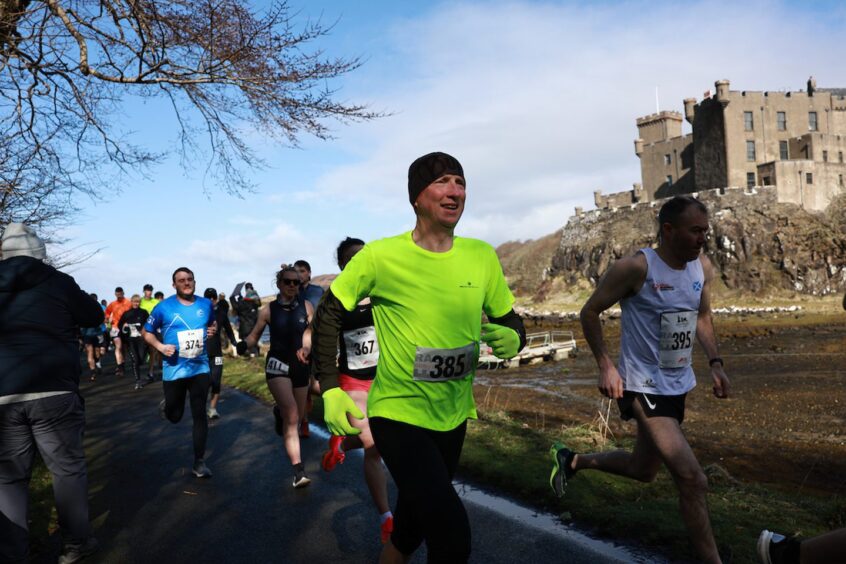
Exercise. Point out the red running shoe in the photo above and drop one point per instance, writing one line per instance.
(386, 529)
(333, 456)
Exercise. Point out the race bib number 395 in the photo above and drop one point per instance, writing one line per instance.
(190, 343)
(440, 365)
(678, 331)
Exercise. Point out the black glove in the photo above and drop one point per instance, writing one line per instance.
(241, 348)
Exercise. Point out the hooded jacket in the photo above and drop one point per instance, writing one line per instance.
(41, 310)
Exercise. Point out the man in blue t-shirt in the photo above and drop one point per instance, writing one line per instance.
(185, 321)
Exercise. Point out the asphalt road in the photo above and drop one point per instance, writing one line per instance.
(147, 507)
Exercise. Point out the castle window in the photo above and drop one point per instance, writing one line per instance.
(669, 180)
(668, 159)
(840, 155)
(750, 151)
(812, 121)
(809, 178)
(825, 156)
(750, 179)
(782, 150)
(840, 179)
(747, 121)
(781, 119)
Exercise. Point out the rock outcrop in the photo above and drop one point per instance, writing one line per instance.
(756, 244)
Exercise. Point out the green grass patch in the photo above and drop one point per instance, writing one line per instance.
(512, 457)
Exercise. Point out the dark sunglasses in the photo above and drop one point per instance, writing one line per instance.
(290, 282)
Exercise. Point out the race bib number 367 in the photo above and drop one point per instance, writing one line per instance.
(440, 365)
(678, 331)
(190, 343)
(362, 348)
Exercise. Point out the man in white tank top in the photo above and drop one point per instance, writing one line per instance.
(665, 299)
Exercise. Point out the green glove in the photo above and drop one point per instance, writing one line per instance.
(336, 404)
(504, 341)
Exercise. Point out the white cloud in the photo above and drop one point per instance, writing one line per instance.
(539, 101)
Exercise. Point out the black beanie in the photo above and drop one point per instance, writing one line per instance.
(429, 168)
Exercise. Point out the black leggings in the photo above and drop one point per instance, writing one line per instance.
(135, 348)
(197, 388)
(422, 463)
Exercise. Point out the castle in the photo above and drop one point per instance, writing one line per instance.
(791, 142)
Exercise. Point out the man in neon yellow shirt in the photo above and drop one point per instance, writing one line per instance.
(428, 289)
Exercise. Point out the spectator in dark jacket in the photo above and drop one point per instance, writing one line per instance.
(41, 310)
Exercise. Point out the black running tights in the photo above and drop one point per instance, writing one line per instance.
(422, 463)
(197, 388)
(135, 348)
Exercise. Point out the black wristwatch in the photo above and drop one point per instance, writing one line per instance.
(716, 359)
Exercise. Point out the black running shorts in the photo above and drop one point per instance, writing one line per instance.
(653, 405)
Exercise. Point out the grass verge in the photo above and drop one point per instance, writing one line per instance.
(511, 457)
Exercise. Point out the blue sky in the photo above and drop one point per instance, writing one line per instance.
(538, 100)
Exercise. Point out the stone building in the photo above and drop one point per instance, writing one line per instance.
(794, 141)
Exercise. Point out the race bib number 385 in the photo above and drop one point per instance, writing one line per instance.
(678, 331)
(190, 343)
(440, 365)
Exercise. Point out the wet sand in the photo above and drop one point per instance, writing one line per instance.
(782, 426)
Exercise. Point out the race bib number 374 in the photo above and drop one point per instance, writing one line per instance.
(190, 343)
(441, 365)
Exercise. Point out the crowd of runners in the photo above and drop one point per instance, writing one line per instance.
(392, 347)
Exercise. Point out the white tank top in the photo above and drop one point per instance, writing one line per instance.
(659, 328)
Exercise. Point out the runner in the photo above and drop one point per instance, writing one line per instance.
(215, 350)
(359, 353)
(665, 297)
(186, 322)
(312, 293)
(148, 303)
(93, 340)
(308, 291)
(429, 289)
(246, 308)
(287, 376)
(130, 326)
(113, 312)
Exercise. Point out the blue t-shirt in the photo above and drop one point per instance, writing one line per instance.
(183, 326)
(312, 293)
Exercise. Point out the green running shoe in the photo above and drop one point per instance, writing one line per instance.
(562, 457)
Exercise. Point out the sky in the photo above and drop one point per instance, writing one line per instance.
(538, 100)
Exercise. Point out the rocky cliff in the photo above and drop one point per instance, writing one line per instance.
(757, 245)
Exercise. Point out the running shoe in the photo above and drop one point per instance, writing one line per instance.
(304, 431)
(119, 370)
(386, 529)
(562, 457)
(150, 378)
(774, 548)
(138, 385)
(212, 413)
(279, 424)
(200, 469)
(301, 480)
(334, 455)
(77, 552)
(162, 413)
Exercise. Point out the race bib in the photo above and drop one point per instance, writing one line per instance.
(218, 361)
(134, 332)
(440, 365)
(678, 330)
(190, 343)
(276, 366)
(362, 348)
(113, 332)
